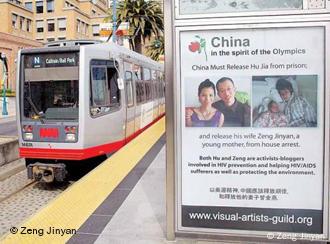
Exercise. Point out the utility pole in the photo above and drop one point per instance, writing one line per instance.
(114, 20)
(4, 70)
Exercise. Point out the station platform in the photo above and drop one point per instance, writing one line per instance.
(120, 201)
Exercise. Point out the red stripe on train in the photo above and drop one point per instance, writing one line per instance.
(79, 154)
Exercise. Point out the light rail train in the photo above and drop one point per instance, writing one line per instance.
(77, 101)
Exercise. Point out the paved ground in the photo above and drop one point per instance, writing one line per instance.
(16, 208)
(142, 217)
(8, 125)
(6, 139)
(11, 108)
(8, 128)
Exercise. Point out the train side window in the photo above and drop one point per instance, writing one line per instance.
(159, 91)
(153, 75)
(155, 90)
(146, 85)
(129, 88)
(99, 86)
(146, 74)
(137, 72)
(162, 81)
(147, 79)
(140, 92)
(154, 84)
(159, 85)
(143, 92)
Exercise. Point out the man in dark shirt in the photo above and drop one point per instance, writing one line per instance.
(236, 114)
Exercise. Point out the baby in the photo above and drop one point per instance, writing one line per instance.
(272, 118)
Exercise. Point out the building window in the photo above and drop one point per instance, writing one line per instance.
(61, 38)
(61, 24)
(28, 25)
(93, 12)
(14, 20)
(28, 5)
(50, 6)
(51, 25)
(82, 29)
(51, 39)
(78, 26)
(96, 30)
(87, 29)
(69, 5)
(21, 23)
(39, 7)
(40, 25)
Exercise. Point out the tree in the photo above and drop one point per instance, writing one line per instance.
(145, 19)
(156, 48)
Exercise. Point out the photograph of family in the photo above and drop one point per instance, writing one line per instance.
(223, 102)
(272, 101)
(284, 101)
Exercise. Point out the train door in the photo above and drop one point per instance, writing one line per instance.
(106, 118)
(130, 108)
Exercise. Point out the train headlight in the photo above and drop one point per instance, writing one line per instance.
(28, 136)
(70, 129)
(70, 137)
(27, 128)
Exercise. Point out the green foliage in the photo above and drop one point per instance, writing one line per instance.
(9, 93)
(144, 17)
(156, 48)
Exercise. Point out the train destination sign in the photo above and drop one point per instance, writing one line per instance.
(252, 127)
(51, 60)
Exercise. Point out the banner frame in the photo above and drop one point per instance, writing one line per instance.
(176, 117)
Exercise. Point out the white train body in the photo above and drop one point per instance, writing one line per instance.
(80, 102)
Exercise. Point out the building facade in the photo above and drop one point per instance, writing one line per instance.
(50, 20)
(30, 23)
(10, 45)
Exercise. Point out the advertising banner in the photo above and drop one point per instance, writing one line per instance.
(221, 6)
(252, 119)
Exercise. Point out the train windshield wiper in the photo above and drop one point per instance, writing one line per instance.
(38, 113)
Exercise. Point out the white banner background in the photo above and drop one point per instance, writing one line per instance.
(304, 191)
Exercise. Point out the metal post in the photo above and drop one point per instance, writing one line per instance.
(114, 20)
(170, 108)
(4, 99)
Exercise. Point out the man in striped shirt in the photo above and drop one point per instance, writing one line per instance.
(297, 109)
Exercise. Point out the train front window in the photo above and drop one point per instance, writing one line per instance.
(49, 86)
(51, 100)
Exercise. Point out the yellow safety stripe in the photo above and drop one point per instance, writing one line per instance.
(73, 207)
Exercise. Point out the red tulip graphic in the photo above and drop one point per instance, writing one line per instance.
(198, 46)
(194, 46)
